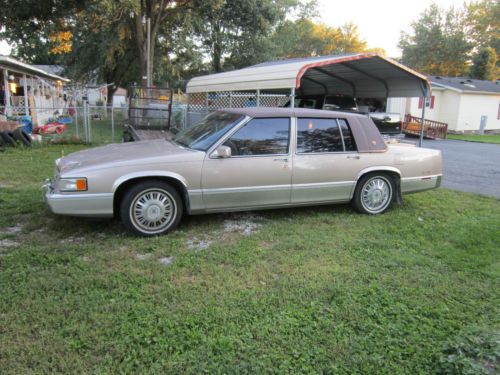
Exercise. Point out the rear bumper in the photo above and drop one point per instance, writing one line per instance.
(87, 205)
(416, 184)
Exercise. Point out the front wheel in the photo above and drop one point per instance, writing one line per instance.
(151, 208)
(374, 194)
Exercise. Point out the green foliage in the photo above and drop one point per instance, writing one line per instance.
(484, 25)
(438, 44)
(485, 65)
(470, 353)
(227, 29)
(304, 37)
(316, 290)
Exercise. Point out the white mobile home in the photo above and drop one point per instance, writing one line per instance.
(466, 105)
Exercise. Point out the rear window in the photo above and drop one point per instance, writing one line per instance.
(316, 135)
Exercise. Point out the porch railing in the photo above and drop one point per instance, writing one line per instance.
(432, 129)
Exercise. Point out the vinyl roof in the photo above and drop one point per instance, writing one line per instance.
(467, 85)
(359, 75)
(20, 67)
(288, 112)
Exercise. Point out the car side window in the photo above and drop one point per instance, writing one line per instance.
(350, 144)
(261, 136)
(318, 135)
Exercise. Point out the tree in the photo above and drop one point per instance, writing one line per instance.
(438, 44)
(484, 65)
(483, 20)
(30, 24)
(304, 37)
(227, 29)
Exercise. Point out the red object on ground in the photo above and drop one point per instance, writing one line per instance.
(50, 128)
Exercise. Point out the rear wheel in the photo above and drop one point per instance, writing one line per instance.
(374, 194)
(151, 208)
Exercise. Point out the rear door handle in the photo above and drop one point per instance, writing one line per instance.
(353, 157)
(281, 159)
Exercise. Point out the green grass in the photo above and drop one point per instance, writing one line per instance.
(315, 290)
(488, 138)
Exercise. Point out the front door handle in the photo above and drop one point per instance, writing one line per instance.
(285, 160)
(353, 157)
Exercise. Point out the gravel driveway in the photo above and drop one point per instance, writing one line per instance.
(470, 166)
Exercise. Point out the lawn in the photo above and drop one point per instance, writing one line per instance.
(311, 290)
(487, 138)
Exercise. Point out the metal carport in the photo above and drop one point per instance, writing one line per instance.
(364, 75)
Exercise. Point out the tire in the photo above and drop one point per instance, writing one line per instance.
(374, 194)
(21, 136)
(144, 208)
(8, 139)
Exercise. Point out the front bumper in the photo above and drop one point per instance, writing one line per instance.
(78, 204)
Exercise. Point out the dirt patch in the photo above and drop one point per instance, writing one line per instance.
(198, 244)
(143, 256)
(12, 230)
(167, 261)
(245, 223)
(72, 240)
(6, 243)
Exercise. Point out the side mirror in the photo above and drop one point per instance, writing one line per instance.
(221, 152)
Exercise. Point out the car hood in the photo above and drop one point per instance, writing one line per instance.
(130, 153)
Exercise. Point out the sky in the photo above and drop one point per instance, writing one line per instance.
(380, 22)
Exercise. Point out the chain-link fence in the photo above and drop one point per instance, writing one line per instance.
(76, 124)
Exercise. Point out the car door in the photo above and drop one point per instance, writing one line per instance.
(258, 173)
(325, 162)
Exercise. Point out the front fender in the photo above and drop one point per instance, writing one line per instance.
(152, 173)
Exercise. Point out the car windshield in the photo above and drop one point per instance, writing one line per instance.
(205, 133)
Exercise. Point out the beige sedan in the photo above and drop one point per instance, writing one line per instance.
(242, 159)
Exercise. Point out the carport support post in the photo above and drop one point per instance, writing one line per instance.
(421, 139)
(292, 98)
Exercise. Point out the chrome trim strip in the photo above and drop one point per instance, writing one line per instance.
(246, 189)
(270, 187)
(81, 196)
(323, 185)
(434, 176)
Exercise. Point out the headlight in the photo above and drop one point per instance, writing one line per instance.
(72, 184)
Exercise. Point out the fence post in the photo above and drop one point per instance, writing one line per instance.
(112, 125)
(257, 99)
(89, 123)
(76, 119)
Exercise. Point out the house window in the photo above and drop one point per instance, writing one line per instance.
(430, 104)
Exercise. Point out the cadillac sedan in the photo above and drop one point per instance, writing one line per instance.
(242, 159)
